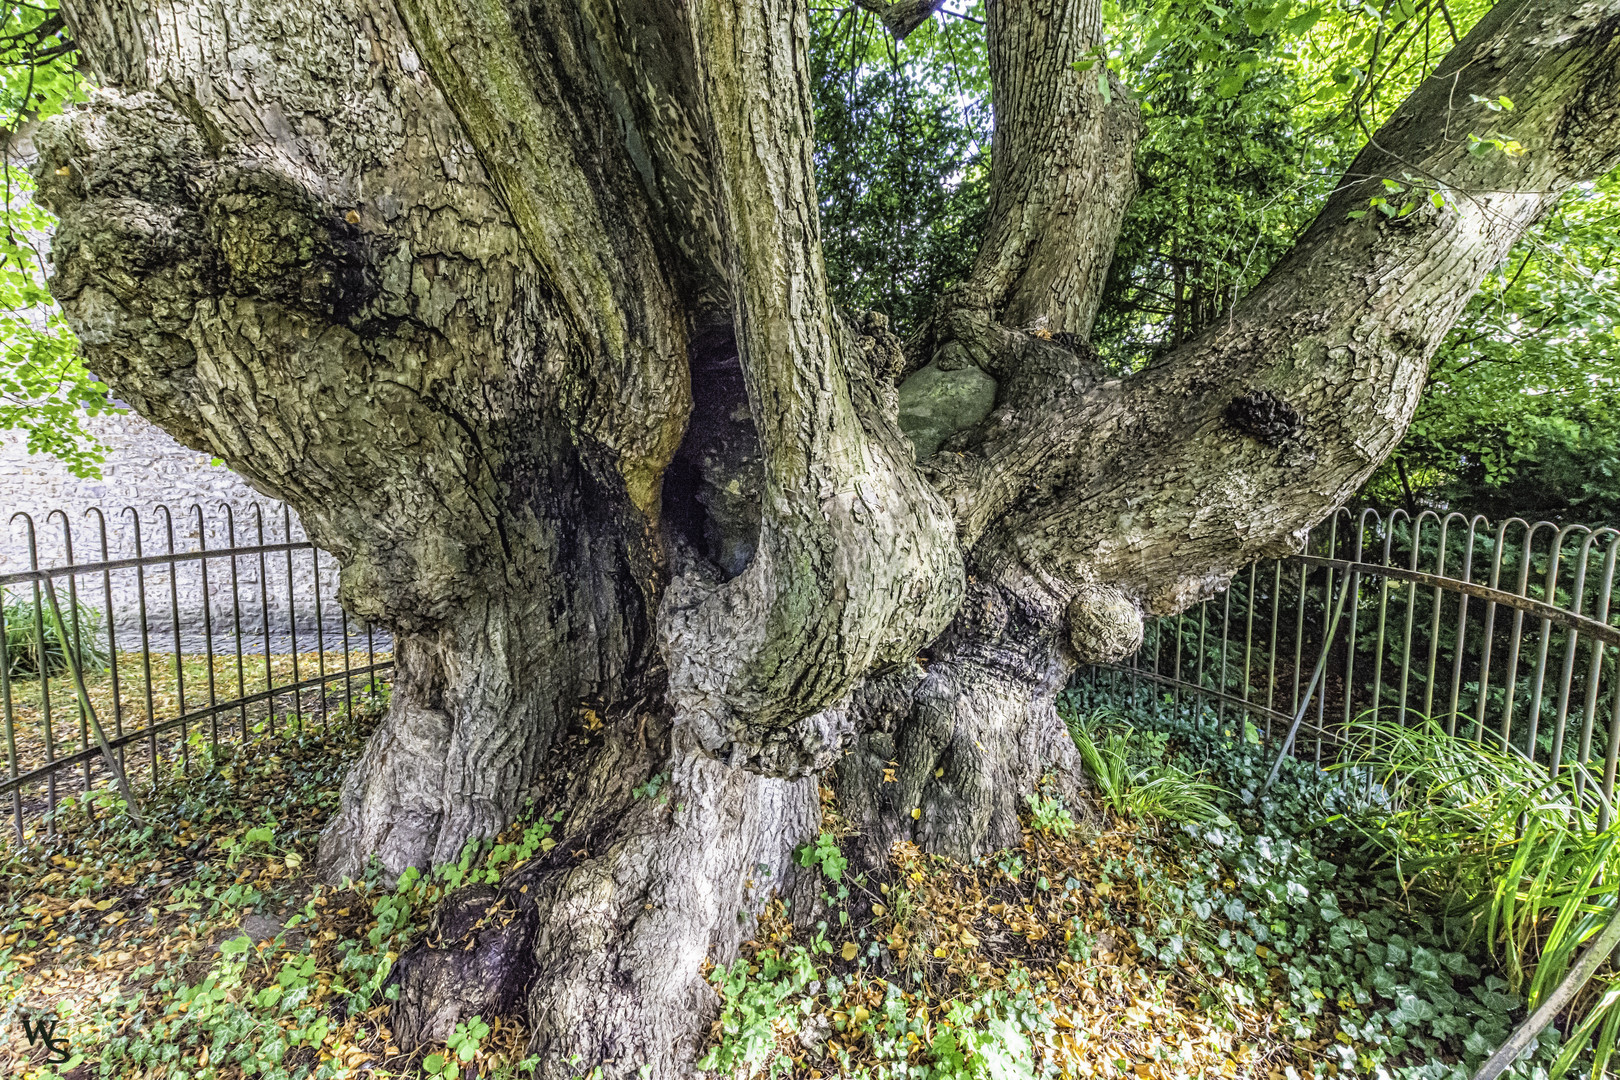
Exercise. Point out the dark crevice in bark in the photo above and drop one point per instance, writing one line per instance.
(713, 487)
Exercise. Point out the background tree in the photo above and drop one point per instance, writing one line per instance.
(902, 158)
(524, 308)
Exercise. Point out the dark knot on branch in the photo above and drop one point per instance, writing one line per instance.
(1265, 416)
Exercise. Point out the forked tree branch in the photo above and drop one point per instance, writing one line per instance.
(1166, 482)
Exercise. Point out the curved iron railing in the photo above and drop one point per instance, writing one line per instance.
(179, 653)
(1509, 628)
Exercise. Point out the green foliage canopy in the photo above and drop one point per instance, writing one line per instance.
(45, 389)
(1251, 111)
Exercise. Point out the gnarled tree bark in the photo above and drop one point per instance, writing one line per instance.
(521, 306)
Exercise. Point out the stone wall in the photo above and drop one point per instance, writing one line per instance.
(152, 481)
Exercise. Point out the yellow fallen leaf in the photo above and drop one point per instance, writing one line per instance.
(916, 812)
(547, 844)
(293, 860)
(879, 910)
(939, 952)
(849, 950)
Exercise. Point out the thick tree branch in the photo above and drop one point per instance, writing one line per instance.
(583, 116)
(1062, 169)
(281, 246)
(857, 562)
(1062, 175)
(1166, 482)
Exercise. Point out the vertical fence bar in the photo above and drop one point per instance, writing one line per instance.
(78, 636)
(1550, 587)
(1327, 646)
(264, 620)
(42, 664)
(1383, 614)
(1567, 677)
(112, 631)
(1434, 623)
(208, 628)
(1220, 687)
(1462, 628)
(146, 642)
(1158, 647)
(1175, 663)
(1609, 759)
(1271, 648)
(320, 634)
(348, 680)
(1489, 638)
(371, 659)
(1583, 755)
(1299, 635)
(292, 621)
(11, 722)
(179, 651)
(1411, 616)
(1327, 606)
(236, 619)
(1248, 638)
(1522, 588)
(1356, 543)
(1198, 678)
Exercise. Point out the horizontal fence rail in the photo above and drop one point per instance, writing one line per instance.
(163, 658)
(1505, 632)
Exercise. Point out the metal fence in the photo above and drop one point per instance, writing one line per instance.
(164, 658)
(1501, 631)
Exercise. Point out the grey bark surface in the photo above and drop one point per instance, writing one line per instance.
(522, 307)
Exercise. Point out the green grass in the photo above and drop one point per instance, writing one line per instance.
(36, 642)
(1132, 777)
(1522, 855)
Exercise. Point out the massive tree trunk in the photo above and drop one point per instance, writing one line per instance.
(521, 305)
